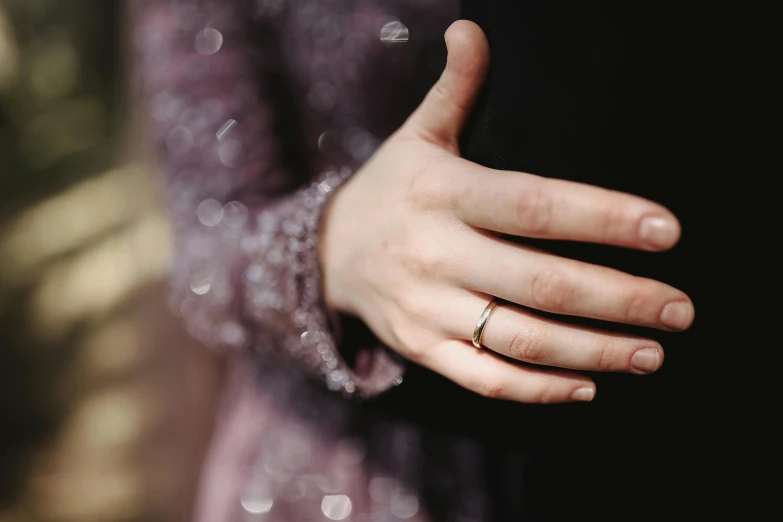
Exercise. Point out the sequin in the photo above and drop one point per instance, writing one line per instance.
(300, 318)
(210, 212)
(257, 499)
(394, 32)
(294, 245)
(232, 334)
(324, 187)
(231, 153)
(307, 338)
(200, 280)
(336, 507)
(235, 214)
(225, 129)
(254, 273)
(209, 41)
(404, 506)
(359, 143)
(336, 379)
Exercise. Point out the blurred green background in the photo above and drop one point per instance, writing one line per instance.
(105, 406)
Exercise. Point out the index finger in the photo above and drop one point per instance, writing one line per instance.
(526, 205)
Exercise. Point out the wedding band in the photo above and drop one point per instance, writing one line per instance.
(482, 322)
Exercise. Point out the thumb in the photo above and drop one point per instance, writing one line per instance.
(442, 114)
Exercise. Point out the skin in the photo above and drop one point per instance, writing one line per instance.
(412, 246)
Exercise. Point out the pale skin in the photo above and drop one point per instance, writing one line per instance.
(412, 246)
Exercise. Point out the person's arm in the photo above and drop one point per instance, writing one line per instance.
(413, 245)
(246, 272)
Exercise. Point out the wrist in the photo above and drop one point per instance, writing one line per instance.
(331, 249)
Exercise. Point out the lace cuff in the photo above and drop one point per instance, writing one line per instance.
(284, 298)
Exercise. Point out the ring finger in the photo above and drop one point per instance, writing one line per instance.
(517, 333)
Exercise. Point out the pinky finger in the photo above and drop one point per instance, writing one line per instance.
(489, 375)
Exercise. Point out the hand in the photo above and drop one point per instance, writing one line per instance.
(411, 245)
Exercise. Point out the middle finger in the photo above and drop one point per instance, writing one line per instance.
(565, 286)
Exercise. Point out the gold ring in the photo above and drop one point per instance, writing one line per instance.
(482, 322)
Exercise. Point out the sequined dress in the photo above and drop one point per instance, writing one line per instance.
(258, 111)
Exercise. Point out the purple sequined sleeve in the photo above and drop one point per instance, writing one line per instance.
(246, 222)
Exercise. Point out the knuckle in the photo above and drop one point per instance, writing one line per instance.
(637, 308)
(445, 95)
(427, 190)
(416, 307)
(605, 357)
(527, 345)
(425, 260)
(550, 290)
(441, 91)
(490, 388)
(408, 339)
(415, 351)
(634, 308)
(613, 222)
(534, 210)
(546, 397)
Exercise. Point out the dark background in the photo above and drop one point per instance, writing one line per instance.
(664, 100)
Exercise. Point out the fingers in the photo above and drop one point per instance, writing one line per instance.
(443, 112)
(489, 375)
(526, 205)
(520, 334)
(554, 284)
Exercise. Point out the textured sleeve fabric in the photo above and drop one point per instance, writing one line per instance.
(245, 210)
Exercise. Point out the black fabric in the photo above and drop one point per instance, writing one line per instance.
(644, 98)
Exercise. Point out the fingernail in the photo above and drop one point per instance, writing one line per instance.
(676, 315)
(658, 232)
(583, 394)
(646, 360)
